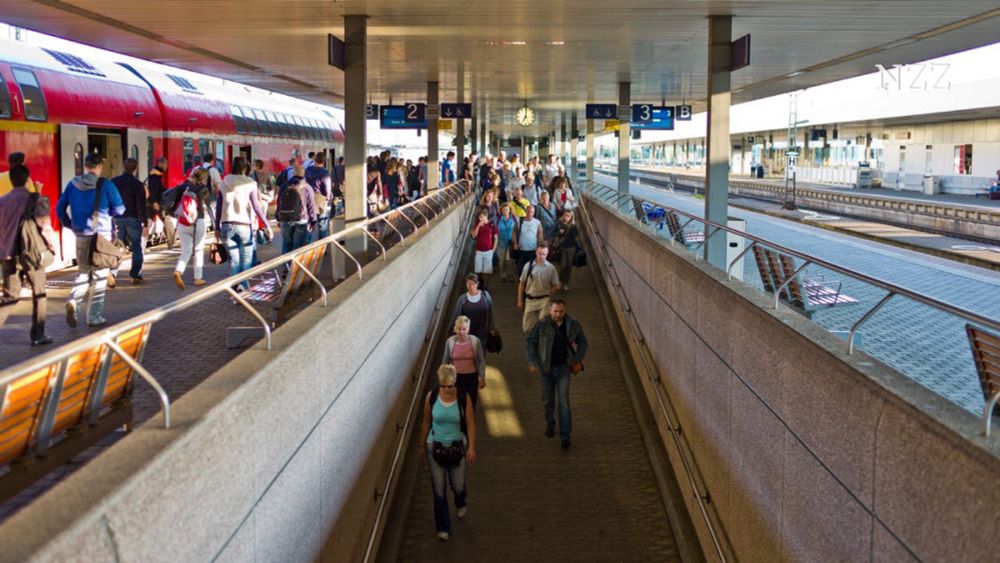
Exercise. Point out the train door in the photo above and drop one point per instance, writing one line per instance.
(109, 145)
(246, 152)
(72, 149)
(140, 143)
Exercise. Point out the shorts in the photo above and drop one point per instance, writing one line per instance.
(484, 262)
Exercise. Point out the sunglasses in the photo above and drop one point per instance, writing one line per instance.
(446, 386)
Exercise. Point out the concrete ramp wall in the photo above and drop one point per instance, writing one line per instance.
(280, 455)
(806, 454)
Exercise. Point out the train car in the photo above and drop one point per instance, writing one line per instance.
(57, 106)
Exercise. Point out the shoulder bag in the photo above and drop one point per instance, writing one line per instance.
(104, 253)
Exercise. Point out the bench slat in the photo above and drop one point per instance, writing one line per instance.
(21, 411)
(80, 375)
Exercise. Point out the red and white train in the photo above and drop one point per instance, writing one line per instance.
(57, 106)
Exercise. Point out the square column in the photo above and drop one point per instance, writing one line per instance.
(624, 136)
(355, 139)
(482, 134)
(460, 123)
(433, 174)
(718, 146)
(590, 149)
(573, 148)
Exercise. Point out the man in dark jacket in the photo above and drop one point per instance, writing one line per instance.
(132, 225)
(17, 205)
(318, 177)
(555, 348)
(76, 209)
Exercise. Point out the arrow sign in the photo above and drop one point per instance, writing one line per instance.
(456, 111)
(602, 111)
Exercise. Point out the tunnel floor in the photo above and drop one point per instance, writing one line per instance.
(531, 500)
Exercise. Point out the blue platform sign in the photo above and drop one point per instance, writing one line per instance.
(394, 117)
(642, 113)
(414, 112)
(371, 111)
(663, 120)
(602, 111)
(456, 111)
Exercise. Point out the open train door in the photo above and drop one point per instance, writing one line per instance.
(139, 144)
(72, 149)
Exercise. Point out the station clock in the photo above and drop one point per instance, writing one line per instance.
(525, 117)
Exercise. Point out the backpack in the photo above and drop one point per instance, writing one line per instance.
(289, 205)
(283, 178)
(461, 406)
(172, 197)
(32, 249)
(187, 208)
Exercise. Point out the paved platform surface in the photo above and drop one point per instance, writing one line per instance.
(923, 343)
(530, 500)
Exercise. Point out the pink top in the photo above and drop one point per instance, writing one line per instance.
(464, 357)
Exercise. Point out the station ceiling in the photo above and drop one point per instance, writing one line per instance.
(553, 55)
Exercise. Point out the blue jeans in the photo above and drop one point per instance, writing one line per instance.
(239, 243)
(293, 236)
(130, 229)
(440, 478)
(322, 228)
(555, 386)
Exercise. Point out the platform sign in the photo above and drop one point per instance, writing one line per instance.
(663, 120)
(456, 111)
(602, 111)
(445, 124)
(371, 111)
(682, 113)
(739, 53)
(394, 117)
(642, 113)
(335, 52)
(415, 113)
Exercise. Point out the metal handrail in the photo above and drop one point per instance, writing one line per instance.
(223, 286)
(890, 287)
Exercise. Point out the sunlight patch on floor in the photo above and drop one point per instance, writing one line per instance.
(498, 406)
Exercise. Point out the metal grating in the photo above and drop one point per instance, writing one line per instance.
(74, 63)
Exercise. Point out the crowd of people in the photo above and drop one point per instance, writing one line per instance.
(524, 227)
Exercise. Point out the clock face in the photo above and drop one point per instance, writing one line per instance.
(525, 116)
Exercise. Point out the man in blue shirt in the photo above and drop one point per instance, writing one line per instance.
(448, 169)
(76, 208)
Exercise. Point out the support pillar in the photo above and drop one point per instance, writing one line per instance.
(590, 149)
(434, 174)
(718, 146)
(460, 123)
(355, 140)
(573, 149)
(562, 141)
(624, 135)
(482, 135)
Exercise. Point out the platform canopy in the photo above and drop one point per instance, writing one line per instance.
(553, 55)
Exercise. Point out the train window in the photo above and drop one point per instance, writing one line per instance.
(300, 131)
(134, 152)
(204, 147)
(78, 159)
(31, 94)
(963, 160)
(272, 124)
(286, 125)
(188, 151)
(4, 99)
(262, 127)
(220, 154)
(150, 162)
(238, 119)
(327, 132)
(253, 127)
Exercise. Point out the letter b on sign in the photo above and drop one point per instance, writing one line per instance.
(683, 113)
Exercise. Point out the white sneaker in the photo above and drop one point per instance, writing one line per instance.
(461, 512)
(443, 536)
(565, 288)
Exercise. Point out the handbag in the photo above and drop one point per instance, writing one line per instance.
(104, 253)
(580, 258)
(494, 342)
(448, 456)
(218, 253)
(576, 367)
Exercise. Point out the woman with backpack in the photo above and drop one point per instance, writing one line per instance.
(192, 213)
(447, 443)
(465, 351)
(237, 207)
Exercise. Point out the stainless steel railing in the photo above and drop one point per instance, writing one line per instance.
(620, 202)
(445, 198)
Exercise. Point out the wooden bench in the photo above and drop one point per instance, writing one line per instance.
(50, 415)
(283, 293)
(679, 234)
(986, 354)
(805, 293)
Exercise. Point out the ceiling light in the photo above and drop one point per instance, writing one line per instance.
(794, 74)
(555, 42)
(518, 43)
